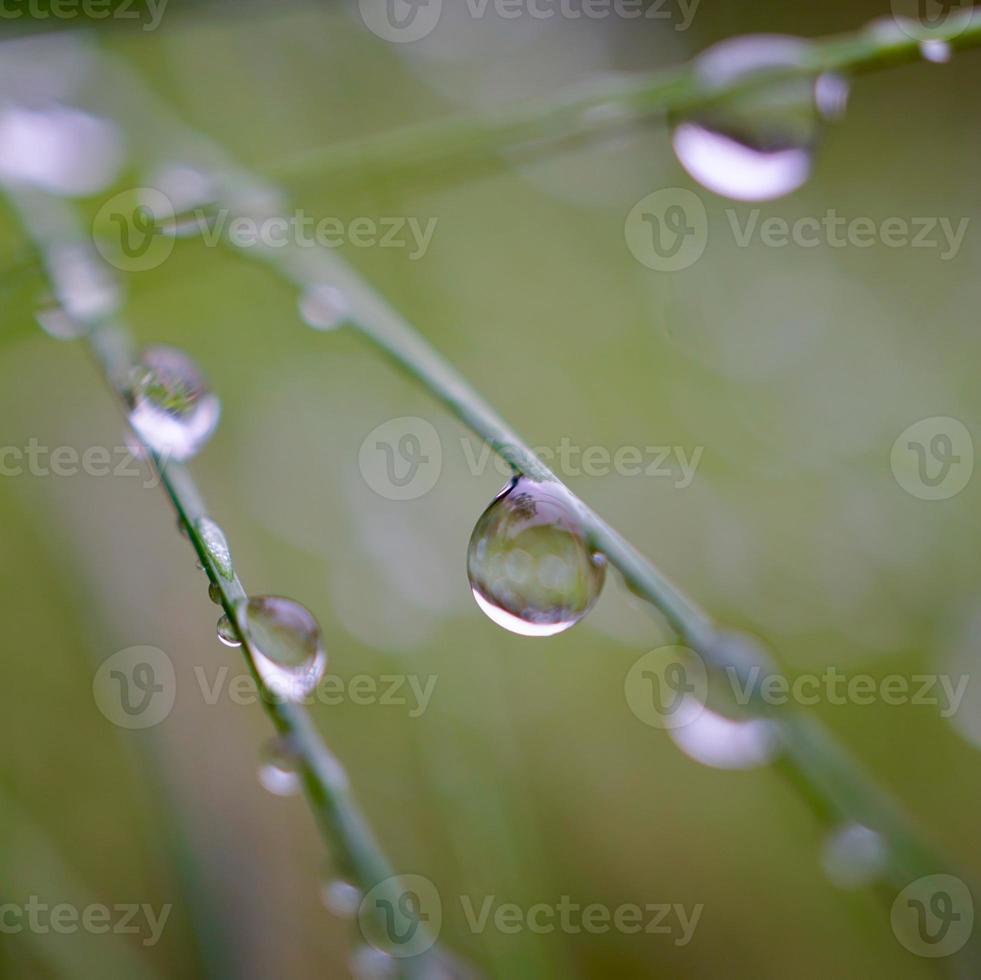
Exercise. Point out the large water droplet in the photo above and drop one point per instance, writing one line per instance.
(287, 645)
(725, 743)
(227, 633)
(530, 567)
(279, 769)
(854, 855)
(759, 143)
(323, 307)
(171, 407)
(213, 538)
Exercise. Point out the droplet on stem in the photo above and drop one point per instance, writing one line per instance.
(171, 406)
(227, 633)
(286, 644)
(854, 855)
(530, 566)
(279, 768)
(323, 307)
(756, 144)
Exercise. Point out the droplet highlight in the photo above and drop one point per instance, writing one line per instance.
(279, 768)
(530, 567)
(323, 307)
(286, 644)
(227, 633)
(172, 408)
(757, 144)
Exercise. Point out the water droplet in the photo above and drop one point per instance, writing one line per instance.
(172, 409)
(854, 855)
(323, 307)
(531, 569)
(340, 897)
(725, 743)
(216, 545)
(56, 322)
(214, 593)
(757, 144)
(368, 963)
(227, 633)
(936, 50)
(287, 645)
(59, 149)
(82, 283)
(279, 770)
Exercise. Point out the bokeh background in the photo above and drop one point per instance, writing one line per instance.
(527, 777)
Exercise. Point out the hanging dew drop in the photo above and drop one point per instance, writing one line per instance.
(216, 544)
(854, 855)
(279, 769)
(323, 307)
(340, 897)
(758, 144)
(227, 633)
(936, 50)
(530, 567)
(171, 407)
(286, 644)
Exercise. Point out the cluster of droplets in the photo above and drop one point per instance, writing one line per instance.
(529, 562)
(757, 141)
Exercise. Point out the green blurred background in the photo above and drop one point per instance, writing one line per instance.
(527, 777)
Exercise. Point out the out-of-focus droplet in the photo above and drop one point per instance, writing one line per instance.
(279, 769)
(323, 307)
(59, 149)
(214, 540)
(340, 897)
(854, 855)
(936, 50)
(191, 193)
(756, 144)
(56, 322)
(368, 963)
(530, 567)
(171, 406)
(287, 645)
(227, 633)
(725, 743)
(82, 284)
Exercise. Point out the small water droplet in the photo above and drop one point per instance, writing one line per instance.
(854, 855)
(279, 769)
(216, 544)
(758, 144)
(227, 633)
(368, 963)
(56, 322)
(171, 407)
(214, 593)
(323, 307)
(340, 897)
(84, 287)
(287, 645)
(530, 567)
(936, 50)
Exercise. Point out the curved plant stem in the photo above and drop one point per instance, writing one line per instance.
(467, 142)
(51, 224)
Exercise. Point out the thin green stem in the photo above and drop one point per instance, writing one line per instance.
(466, 142)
